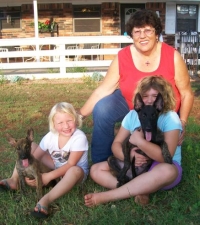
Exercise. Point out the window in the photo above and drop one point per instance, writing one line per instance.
(87, 18)
(187, 17)
(10, 17)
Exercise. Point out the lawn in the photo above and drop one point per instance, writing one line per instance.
(27, 104)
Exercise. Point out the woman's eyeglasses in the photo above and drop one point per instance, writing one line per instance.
(147, 32)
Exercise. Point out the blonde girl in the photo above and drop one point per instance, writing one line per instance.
(64, 149)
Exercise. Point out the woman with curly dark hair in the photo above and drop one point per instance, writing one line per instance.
(140, 19)
(147, 56)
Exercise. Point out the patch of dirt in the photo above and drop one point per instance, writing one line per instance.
(2, 149)
(58, 81)
(50, 81)
(195, 113)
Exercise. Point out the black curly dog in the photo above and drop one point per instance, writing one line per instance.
(148, 116)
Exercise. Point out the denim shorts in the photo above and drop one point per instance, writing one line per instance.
(57, 165)
(178, 179)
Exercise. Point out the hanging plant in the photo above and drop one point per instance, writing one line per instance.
(46, 26)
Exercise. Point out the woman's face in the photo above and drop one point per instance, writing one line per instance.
(149, 97)
(144, 38)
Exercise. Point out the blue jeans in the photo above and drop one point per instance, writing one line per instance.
(106, 113)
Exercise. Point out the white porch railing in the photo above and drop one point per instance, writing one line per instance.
(58, 54)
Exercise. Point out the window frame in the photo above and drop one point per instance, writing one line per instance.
(185, 19)
(89, 13)
(14, 12)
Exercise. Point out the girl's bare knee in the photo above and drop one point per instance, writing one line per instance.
(172, 171)
(168, 171)
(96, 169)
(76, 171)
(93, 170)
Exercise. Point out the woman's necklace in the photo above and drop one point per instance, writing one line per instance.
(147, 63)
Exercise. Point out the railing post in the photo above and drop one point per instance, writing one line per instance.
(62, 59)
(36, 27)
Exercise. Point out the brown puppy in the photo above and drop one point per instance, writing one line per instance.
(26, 164)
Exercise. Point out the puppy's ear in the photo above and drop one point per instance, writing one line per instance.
(12, 141)
(138, 102)
(30, 134)
(159, 104)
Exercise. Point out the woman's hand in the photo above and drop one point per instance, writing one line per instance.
(181, 138)
(136, 136)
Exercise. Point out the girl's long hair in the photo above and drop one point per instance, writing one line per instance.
(158, 83)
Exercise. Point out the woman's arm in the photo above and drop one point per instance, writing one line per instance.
(107, 87)
(182, 81)
(153, 151)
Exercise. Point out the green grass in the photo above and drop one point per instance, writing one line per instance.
(28, 104)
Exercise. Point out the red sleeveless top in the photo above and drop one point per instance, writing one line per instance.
(130, 75)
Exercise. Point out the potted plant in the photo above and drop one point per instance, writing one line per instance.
(47, 26)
